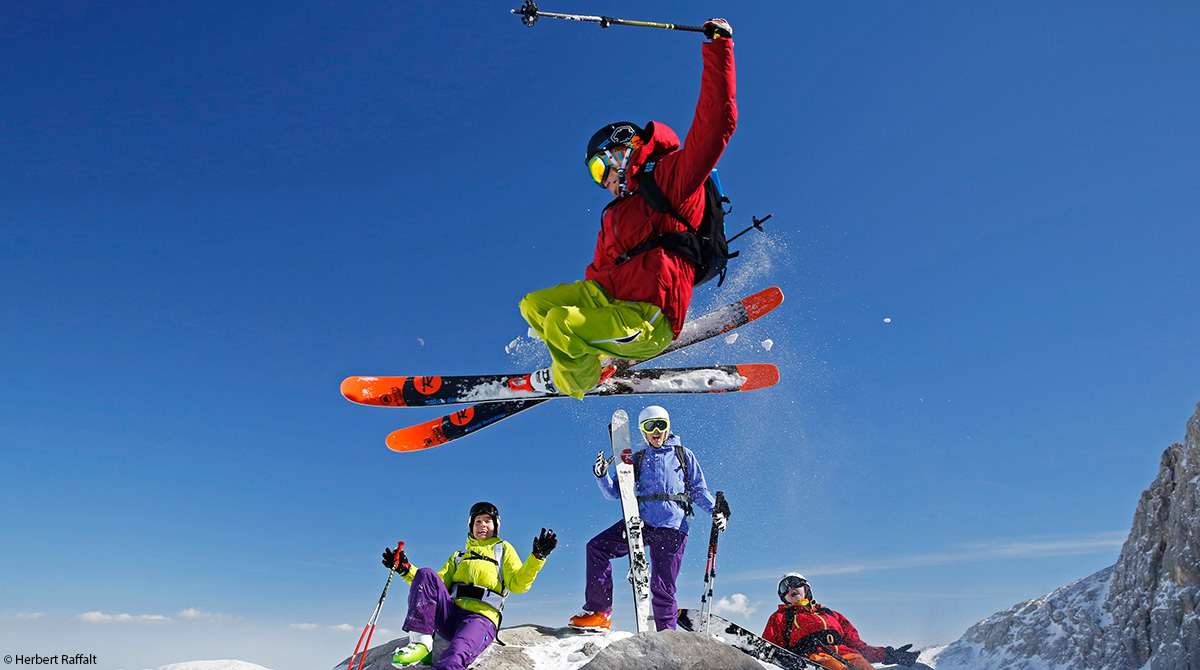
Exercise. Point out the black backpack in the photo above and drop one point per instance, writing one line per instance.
(704, 246)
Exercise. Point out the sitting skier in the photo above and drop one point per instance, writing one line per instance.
(463, 601)
(669, 480)
(823, 635)
(633, 307)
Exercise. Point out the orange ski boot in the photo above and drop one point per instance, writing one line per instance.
(586, 620)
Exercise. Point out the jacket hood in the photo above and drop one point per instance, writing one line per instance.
(472, 542)
(660, 139)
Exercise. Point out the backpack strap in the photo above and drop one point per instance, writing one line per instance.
(464, 591)
(684, 498)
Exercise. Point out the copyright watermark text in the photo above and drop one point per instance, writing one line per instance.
(56, 659)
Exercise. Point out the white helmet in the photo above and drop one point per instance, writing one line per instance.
(653, 412)
(793, 580)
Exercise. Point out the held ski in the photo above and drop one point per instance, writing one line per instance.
(422, 391)
(717, 379)
(732, 634)
(470, 419)
(639, 568)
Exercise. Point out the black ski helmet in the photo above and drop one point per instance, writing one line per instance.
(790, 581)
(483, 508)
(621, 133)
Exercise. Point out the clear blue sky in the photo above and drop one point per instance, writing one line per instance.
(212, 213)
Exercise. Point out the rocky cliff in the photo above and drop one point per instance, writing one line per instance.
(1140, 613)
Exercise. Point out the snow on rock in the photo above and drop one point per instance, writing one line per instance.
(213, 665)
(1141, 614)
(534, 647)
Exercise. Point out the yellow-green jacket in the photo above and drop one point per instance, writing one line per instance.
(477, 566)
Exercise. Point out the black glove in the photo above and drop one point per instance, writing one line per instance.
(544, 544)
(722, 506)
(601, 467)
(715, 28)
(397, 559)
(902, 655)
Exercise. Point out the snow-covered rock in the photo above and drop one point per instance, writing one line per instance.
(213, 665)
(1141, 613)
(533, 647)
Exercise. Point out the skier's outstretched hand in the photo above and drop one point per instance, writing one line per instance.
(715, 28)
(544, 544)
(902, 655)
(601, 467)
(396, 559)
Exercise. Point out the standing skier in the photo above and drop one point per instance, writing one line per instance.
(632, 305)
(669, 481)
(823, 635)
(463, 601)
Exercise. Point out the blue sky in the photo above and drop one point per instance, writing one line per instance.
(214, 213)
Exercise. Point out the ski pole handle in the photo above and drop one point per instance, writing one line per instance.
(399, 551)
(529, 15)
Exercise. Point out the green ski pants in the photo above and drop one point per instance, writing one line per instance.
(581, 326)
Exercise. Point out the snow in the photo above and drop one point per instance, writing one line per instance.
(565, 654)
(213, 665)
(767, 344)
(731, 338)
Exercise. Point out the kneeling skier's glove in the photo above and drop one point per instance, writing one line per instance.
(715, 28)
(902, 655)
(544, 544)
(601, 467)
(396, 559)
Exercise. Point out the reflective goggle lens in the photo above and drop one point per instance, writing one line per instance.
(655, 425)
(791, 583)
(597, 167)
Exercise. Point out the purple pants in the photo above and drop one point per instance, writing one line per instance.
(665, 546)
(431, 611)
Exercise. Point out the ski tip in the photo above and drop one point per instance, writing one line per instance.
(352, 388)
(418, 437)
(762, 302)
(758, 375)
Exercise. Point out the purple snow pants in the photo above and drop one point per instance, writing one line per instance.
(431, 611)
(665, 546)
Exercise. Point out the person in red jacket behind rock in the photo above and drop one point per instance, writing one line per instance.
(633, 307)
(810, 629)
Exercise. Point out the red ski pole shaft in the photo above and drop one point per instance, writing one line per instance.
(369, 630)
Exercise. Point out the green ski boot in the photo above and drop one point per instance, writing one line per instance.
(418, 653)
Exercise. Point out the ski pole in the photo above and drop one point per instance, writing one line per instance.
(529, 15)
(374, 616)
(710, 570)
(756, 223)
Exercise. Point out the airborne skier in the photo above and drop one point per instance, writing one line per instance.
(632, 305)
(669, 481)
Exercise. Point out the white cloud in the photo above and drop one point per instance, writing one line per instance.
(101, 617)
(737, 603)
(201, 615)
(305, 626)
(344, 627)
(1041, 547)
(30, 615)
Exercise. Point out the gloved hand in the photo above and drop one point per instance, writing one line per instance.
(601, 467)
(715, 28)
(397, 559)
(722, 505)
(720, 521)
(544, 544)
(902, 655)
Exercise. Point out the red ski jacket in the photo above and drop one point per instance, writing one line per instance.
(659, 277)
(812, 620)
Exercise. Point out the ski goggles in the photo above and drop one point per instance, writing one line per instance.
(656, 426)
(789, 583)
(599, 164)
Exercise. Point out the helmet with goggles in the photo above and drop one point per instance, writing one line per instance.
(611, 147)
(654, 419)
(483, 508)
(794, 580)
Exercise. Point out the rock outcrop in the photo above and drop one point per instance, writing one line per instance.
(1140, 613)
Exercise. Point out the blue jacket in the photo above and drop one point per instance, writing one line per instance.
(662, 473)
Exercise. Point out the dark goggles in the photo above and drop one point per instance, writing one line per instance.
(656, 426)
(789, 583)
